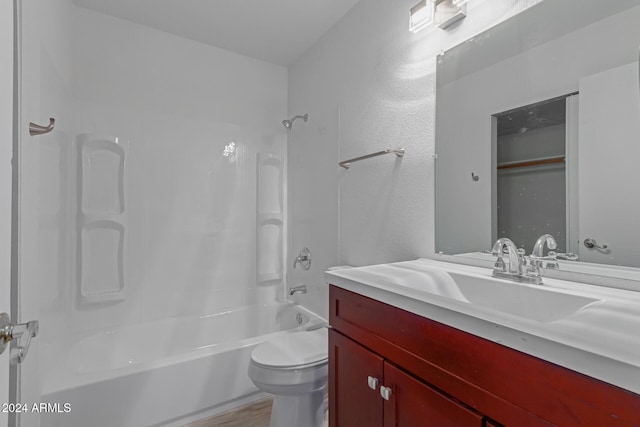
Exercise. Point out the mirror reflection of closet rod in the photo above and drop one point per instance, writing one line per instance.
(530, 163)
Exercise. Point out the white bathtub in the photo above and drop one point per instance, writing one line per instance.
(168, 372)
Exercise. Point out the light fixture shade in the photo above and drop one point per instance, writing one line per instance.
(421, 15)
(448, 12)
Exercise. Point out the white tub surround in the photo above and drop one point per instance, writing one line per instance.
(588, 329)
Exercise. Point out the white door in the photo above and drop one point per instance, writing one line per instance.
(608, 175)
(41, 213)
(25, 226)
(6, 118)
(8, 247)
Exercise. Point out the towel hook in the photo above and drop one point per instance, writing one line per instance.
(35, 129)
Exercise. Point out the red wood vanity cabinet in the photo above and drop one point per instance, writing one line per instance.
(389, 367)
(370, 391)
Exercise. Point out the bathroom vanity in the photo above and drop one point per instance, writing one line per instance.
(426, 343)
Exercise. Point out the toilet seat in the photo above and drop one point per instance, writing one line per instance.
(293, 350)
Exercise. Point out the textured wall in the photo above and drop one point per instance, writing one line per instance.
(369, 84)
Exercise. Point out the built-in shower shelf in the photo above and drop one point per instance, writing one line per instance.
(102, 218)
(270, 277)
(270, 218)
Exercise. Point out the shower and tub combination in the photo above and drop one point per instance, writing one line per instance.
(154, 220)
(199, 361)
(172, 369)
(177, 369)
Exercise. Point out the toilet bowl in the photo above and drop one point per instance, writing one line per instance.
(293, 368)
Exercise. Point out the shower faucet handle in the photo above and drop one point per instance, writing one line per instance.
(304, 259)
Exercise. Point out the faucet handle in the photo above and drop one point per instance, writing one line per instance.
(533, 270)
(545, 239)
(568, 256)
(304, 259)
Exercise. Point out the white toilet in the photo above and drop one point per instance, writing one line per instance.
(293, 367)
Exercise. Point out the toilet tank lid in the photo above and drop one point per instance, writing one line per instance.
(293, 349)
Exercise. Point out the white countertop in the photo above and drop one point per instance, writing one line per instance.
(601, 340)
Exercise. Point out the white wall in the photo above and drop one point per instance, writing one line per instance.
(6, 135)
(368, 85)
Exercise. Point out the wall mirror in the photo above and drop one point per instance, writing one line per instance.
(538, 131)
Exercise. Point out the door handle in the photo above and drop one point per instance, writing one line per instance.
(591, 243)
(10, 331)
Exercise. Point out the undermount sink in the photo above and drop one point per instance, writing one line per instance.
(534, 302)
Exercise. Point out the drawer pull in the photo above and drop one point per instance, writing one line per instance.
(385, 392)
(373, 382)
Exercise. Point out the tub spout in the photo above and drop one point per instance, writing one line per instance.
(317, 326)
(302, 289)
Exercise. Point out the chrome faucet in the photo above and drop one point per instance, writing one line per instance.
(302, 289)
(512, 251)
(517, 262)
(537, 255)
(538, 248)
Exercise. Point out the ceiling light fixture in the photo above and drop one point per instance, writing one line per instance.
(449, 12)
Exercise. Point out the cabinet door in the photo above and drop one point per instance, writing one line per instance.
(355, 375)
(413, 403)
